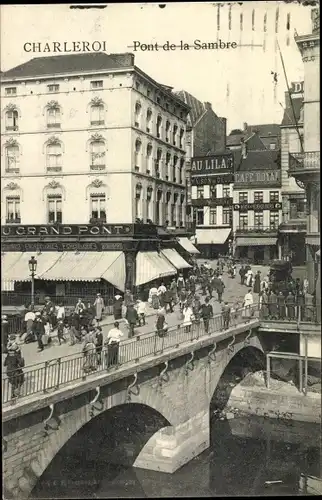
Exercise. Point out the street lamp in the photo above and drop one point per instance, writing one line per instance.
(32, 268)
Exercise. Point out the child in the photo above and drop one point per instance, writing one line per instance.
(141, 310)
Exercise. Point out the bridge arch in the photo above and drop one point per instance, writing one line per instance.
(115, 436)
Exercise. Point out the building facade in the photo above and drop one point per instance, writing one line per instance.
(257, 205)
(305, 165)
(293, 226)
(212, 199)
(91, 141)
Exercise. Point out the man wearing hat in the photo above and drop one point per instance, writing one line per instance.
(39, 330)
(14, 363)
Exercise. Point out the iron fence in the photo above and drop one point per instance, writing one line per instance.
(291, 314)
(59, 372)
(21, 299)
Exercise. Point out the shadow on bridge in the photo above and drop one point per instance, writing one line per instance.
(99, 452)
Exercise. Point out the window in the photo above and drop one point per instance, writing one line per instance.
(11, 91)
(243, 221)
(12, 159)
(158, 163)
(174, 134)
(272, 145)
(273, 196)
(213, 191)
(173, 214)
(53, 117)
(226, 191)
(273, 219)
(181, 170)
(149, 158)
(54, 209)
(174, 168)
(243, 197)
(54, 157)
(258, 197)
(148, 120)
(13, 210)
(137, 155)
(258, 220)
(159, 124)
(98, 207)
(12, 120)
(53, 88)
(213, 216)
(97, 155)
(200, 192)
(167, 165)
(148, 92)
(97, 84)
(199, 217)
(181, 138)
(137, 115)
(167, 130)
(137, 85)
(97, 114)
(227, 215)
(297, 208)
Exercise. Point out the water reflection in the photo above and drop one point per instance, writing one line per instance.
(248, 456)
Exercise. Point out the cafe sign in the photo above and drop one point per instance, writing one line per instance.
(79, 230)
(258, 178)
(213, 164)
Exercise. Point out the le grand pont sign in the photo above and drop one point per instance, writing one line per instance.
(100, 230)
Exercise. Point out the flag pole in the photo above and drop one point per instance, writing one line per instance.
(291, 100)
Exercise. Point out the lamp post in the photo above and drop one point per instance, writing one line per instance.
(32, 268)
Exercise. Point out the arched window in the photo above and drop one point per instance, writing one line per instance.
(181, 138)
(174, 169)
(54, 157)
(167, 165)
(149, 158)
(138, 201)
(12, 120)
(137, 155)
(159, 125)
(97, 155)
(167, 131)
(137, 115)
(181, 169)
(53, 116)
(148, 120)
(174, 134)
(12, 158)
(97, 114)
(158, 163)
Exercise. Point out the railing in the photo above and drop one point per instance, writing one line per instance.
(20, 299)
(257, 229)
(308, 159)
(290, 314)
(60, 372)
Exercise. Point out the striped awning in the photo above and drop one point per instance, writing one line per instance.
(7, 285)
(175, 258)
(255, 242)
(88, 266)
(151, 266)
(15, 267)
(188, 246)
(212, 236)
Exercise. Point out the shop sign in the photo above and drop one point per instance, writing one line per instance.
(212, 164)
(212, 202)
(297, 87)
(258, 178)
(211, 180)
(61, 247)
(79, 230)
(257, 206)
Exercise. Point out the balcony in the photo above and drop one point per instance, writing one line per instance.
(95, 123)
(293, 222)
(262, 230)
(53, 125)
(11, 171)
(54, 169)
(97, 220)
(17, 220)
(96, 168)
(303, 165)
(12, 128)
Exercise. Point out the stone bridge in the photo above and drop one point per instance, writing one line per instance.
(173, 390)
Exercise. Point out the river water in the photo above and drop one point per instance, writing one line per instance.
(247, 456)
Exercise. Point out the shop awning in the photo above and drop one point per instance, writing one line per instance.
(187, 245)
(212, 236)
(88, 266)
(255, 242)
(15, 265)
(175, 258)
(151, 266)
(7, 285)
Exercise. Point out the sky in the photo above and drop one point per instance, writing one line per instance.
(238, 82)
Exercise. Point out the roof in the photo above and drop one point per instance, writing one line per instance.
(234, 140)
(40, 66)
(270, 130)
(255, 143)
(266, 130)
(198, 108)
(260, 160)
(288, 118)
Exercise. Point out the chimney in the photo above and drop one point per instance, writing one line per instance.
(243, 149)
(208, 105)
